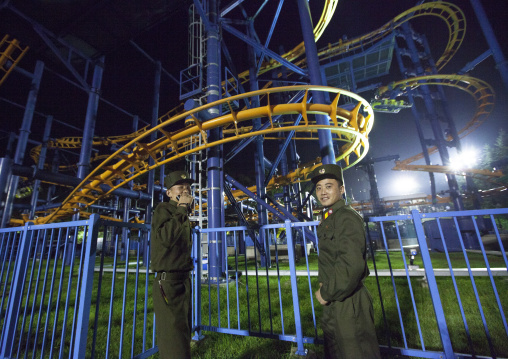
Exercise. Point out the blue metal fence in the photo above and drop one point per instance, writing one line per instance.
(60, 293)
(458, 307)
(439, 283)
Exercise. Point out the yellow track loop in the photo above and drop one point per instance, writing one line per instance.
(76, 142)
(481, 91)
(450, 13)
(352, 127)
(470, 172)
(299, 50)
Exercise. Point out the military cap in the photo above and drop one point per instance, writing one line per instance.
(177, 177)
(327, 171)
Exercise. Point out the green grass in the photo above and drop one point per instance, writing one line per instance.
(395, 258)
(267, 308)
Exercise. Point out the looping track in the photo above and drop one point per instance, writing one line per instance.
(481, 91)
(352, 127)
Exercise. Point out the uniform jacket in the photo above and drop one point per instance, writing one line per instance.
(342, 253)
(171, 243)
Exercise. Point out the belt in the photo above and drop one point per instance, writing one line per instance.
(172, 275)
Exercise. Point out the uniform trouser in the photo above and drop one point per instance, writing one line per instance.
(348, 328)
(174, 318)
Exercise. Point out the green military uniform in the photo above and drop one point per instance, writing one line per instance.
(348, 318)
(171, 248)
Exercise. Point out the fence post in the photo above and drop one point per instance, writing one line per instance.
(434, 291)
(85, 296)
(294, 290)
(18, 278)
(198, 267)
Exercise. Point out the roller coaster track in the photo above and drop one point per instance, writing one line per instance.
(352, 127)
(11, 54)
(450, 13)
(481, 91)
(76, 142)
(355, 135)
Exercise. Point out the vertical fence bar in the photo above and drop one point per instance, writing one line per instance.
(112, 294)
(99, 291)
(410, 285)
(36, 291)
(457, 293)
(237, 246)
(135, 299)
(126, 242)
(51, 288)
(475, 289)
(278, 283)
(294, 291)
(394, 289)
(85, 297)
(29, 291)
(198, 269)
(5, 294)
(43, 293)
(434, 291)
(10, 322)
(494, 288)
(72, 253)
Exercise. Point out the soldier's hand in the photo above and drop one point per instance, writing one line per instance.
(318, 296)
(185, 199)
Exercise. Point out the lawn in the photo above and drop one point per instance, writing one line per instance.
(265, 311)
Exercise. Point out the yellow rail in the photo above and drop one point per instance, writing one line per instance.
(481, 91)
(451, 14)
(352, 127)
(10, 51)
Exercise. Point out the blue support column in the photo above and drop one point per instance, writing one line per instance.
(91, 116)
(40, 165)
(418, 124)
(497, 53)
(214, 154)
(88, 130)
(153, 137)
(433, 117)
(127, 200)
(259, 157)
(325, 136)
(5, 171)
(24, 133)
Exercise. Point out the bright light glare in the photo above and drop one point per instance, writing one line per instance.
(406, 185)
(465, 159)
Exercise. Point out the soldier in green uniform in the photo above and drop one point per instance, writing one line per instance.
(348, 318)
(171, 261)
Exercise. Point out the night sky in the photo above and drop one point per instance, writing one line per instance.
(128, 83)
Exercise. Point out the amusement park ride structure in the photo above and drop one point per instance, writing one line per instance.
(312, 95)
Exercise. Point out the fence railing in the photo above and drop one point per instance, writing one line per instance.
(82, 289)
(468, 311)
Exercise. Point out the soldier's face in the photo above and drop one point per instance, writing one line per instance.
(328, 191)
(178, 190)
